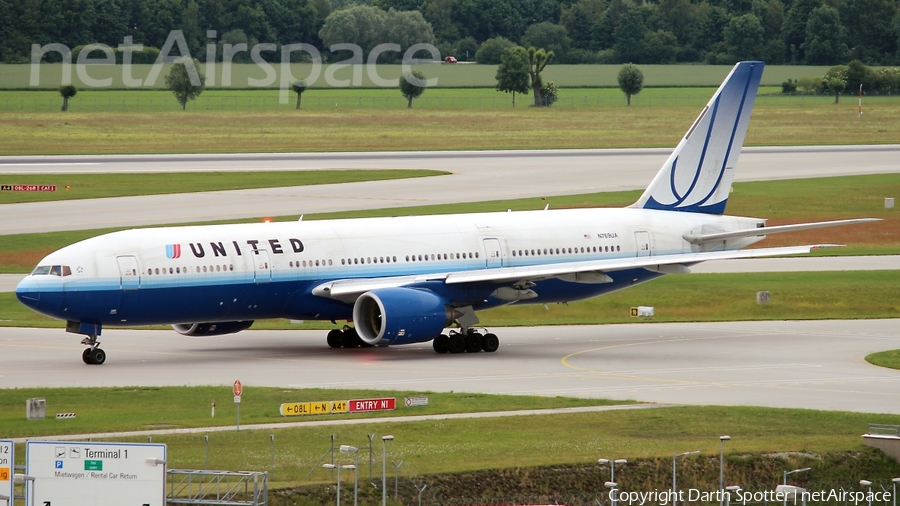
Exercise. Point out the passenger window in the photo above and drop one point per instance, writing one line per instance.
(476, 254)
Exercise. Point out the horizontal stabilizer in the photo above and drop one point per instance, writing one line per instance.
(762, 231)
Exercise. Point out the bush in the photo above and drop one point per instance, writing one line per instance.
(811, 84)
(490, 52)
(789, 86)
(606, 56)
(579, 56)
(889, 78)
(466, 49)
(549, 93)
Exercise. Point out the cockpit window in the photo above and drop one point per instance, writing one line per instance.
(53, 270)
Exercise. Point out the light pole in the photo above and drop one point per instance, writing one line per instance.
(612, 466)
(675, 475)
(867, 483)
(730, 489)
(613, 495)
(384, 440)
(786, 473)
(332, 467)
(722, 440)
(355, 451)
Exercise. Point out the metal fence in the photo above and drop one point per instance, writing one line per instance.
(217, 488)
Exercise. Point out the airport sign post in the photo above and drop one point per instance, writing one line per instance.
(238, 389)
(96, 474)
(7, 470)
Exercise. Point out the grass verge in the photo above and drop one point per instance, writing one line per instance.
(92, 186)
(112, 409)
(890, 359)
(197, 131)
(786, 201)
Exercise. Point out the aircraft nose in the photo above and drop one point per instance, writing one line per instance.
(28, 292)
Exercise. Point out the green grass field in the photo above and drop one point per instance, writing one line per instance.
(448, 76)
(889, 359)
(187, 407)
(93, 100)
(789, 121)
(92, 186)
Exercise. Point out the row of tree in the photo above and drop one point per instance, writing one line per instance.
(822, 32)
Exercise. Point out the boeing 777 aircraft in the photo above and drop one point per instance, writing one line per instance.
(405, 280)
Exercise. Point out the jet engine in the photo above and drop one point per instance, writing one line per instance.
(211, 329)
(401, 316)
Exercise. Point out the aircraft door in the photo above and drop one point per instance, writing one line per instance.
(129, 275)
(644, 244)
(262, 266)
(493, 255)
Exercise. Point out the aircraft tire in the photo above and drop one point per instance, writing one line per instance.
(441, 344)
(86, 356)
(351, 339)
(335, 338)
(473, 342)
(490, 343)
(97, 356)
(457, 344)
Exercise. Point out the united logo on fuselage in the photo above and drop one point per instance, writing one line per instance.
(173, 251)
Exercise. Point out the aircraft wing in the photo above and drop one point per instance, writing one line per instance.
(349, 289)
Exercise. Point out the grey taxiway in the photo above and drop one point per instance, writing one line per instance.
(475, 176)
(797, 364)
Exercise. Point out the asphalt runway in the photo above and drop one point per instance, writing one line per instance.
(476, 176)
(807, 364)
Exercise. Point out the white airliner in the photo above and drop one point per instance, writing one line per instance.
(405, 280)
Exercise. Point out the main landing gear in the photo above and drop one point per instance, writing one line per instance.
(469, 341)
(345, 338)
(93, 355)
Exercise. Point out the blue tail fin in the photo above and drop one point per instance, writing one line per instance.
(697, 176)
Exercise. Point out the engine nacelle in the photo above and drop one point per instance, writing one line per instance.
(211, 329)
(401, 316)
